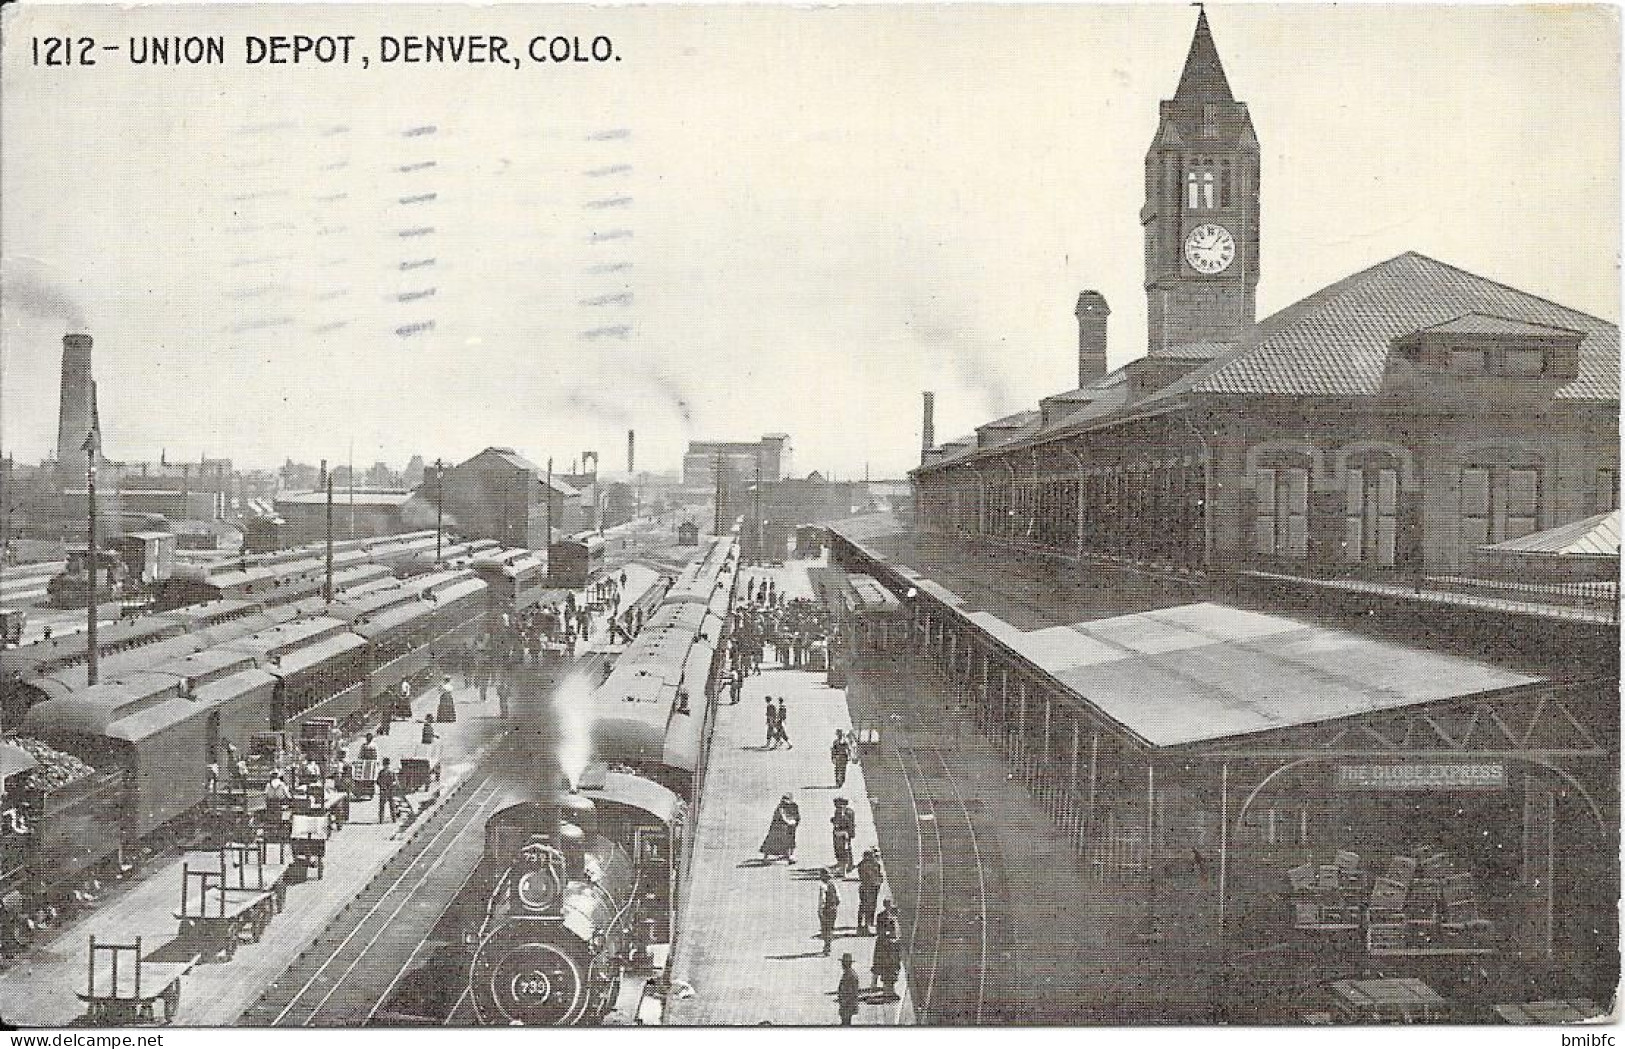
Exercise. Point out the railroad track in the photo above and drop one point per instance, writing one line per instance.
(348, 974)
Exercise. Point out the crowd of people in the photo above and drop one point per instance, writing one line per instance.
(767, 629)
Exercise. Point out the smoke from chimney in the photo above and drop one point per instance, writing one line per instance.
(928, 427)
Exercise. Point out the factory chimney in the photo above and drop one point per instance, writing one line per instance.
(928, 428)
(1092, 313)
(631, 449)
(76, 407)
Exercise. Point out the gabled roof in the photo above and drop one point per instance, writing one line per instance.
(1596, 536)
(1335, 343)
(519, 462)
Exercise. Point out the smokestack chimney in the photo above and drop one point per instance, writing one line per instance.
(76, 407)
(928, 428)
(631, 449)
(1092, 313)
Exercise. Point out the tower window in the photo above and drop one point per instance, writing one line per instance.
(1210, 121)
(1199, 189)
(1224, 184)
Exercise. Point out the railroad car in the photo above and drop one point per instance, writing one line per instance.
(572, 562)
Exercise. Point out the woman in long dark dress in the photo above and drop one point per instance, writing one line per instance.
(781, 834)
(887, 963)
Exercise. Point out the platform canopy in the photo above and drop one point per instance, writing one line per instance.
(1595, 536)
(1172, 668)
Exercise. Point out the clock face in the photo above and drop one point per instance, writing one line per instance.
(1209, 248)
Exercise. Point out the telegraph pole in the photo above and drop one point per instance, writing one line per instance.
(91, 446)
(716, 476)
(547, 496)
(327, 586)
(439, 505)
(757, 552)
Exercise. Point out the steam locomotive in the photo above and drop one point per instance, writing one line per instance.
(583, 884)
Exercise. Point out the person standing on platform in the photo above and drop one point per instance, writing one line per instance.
(403, 707)
(736, 685)
(846, 993)
(428, 729)
(388, 717)
(386, 792)
(784, 725)
(781, 833)
(368, 751)
(888, 956)
(446, 710)
(840, 752)
(870, 878)
(829, 908)
(772, 725)
(843, 828)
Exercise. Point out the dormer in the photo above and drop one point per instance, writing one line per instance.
(1482, 354)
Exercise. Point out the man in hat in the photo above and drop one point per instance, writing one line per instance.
(772, 724)
(829, 907)
(840, 752)
(888, 957)
(846, 994)
(870, 878)
(843, 828)
(784, 725)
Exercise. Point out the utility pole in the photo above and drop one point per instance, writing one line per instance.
(439, 505)
(91, 446)
(757, 553)
(716, 477)
(327, 586)
(548, 497)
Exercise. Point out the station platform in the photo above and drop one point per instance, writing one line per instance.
(38, 989)
(748, 946)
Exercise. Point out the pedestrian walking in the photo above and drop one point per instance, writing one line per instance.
(772, 724)
(887, 961)
(784, 725)
(846, 993)
(840, 752)
(829, 908)
(428, 729)
(446, 711)
(870, 879)
(843, 828)
(780, 842)
(386, 792)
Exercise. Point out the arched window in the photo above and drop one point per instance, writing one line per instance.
(1199, 188)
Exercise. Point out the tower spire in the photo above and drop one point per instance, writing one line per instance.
(1203, 79)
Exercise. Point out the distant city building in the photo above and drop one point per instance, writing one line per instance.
(362, 514)
(498, 494)
(740, 460)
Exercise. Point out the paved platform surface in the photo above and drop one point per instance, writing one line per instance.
(749, 944)
(39, 989)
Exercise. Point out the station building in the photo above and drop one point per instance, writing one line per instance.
(1248, 614)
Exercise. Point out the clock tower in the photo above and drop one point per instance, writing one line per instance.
(1201, 210)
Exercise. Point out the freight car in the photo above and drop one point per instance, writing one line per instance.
(572, 562)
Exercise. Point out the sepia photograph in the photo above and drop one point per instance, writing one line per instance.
(1139, 482)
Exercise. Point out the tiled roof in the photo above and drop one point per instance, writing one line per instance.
(1336, 341)
(1486, 324)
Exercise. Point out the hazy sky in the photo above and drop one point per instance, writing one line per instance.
(758, 220)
